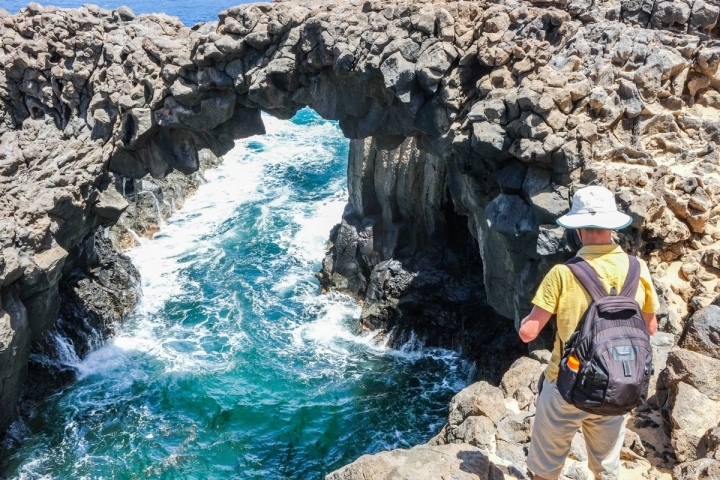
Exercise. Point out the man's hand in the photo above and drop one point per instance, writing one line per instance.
(651, 322)
(532, 324)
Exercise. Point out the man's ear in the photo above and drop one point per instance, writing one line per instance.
(572, 237)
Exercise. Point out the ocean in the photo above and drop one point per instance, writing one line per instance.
(190, 12)
(233, 365)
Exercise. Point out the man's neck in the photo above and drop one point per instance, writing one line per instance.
(590, 243)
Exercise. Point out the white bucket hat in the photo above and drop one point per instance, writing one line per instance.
(594, 207)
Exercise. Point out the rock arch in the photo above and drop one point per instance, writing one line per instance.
(506, 106)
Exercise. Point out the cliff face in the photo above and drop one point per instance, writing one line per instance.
(413, 261)
(480, 120)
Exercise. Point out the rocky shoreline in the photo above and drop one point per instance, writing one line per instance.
(471, 125)
(488, 427)
(101, 290)
(487, 435)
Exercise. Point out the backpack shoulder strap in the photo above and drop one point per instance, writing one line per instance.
(632, 280)
(587, 277)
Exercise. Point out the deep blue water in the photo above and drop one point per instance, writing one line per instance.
(233, 365)
(190, 12)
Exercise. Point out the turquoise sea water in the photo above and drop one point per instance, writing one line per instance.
(233, 365)
(189, 11)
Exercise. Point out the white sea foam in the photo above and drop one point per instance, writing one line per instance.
(247, 176)
(63, 351)
(245, 219)
(324, 333)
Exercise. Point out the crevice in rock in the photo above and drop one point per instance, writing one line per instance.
(413, 261)
(622, 95)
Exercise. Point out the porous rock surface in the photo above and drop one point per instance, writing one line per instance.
(423, 462)
(472, 125)
(689, 389)
(487, 436)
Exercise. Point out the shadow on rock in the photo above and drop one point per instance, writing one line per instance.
(476, 462)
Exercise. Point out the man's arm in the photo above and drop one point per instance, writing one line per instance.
(650, 321)
(532, 324)
(651, 303)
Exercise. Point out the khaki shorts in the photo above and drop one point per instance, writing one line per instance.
(556, 423)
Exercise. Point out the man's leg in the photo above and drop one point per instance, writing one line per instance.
(556, 422)
(604, 437)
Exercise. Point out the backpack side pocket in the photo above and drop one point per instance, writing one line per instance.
(592, 385)
(566, 381)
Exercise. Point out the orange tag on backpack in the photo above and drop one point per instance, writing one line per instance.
(573, 363)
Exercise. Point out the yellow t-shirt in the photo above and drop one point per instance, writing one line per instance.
(562, 294)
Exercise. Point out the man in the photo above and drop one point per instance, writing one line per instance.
(595, 216)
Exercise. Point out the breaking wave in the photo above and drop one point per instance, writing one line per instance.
(233, 364)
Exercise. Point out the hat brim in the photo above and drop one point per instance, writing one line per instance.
(606, 221)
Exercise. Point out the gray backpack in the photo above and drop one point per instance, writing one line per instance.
(612, 345)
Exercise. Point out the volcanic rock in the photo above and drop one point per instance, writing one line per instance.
(457, 461)
(702, 332)
(439, 238)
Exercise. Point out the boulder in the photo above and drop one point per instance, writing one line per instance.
(212, 112)
(689, 396)
(10, 267)
(699, 371)
(575, 472)
(511, 177)
(478, 431)
(515, 453)
(490, 141)
(138, 127)
(456, 461)
(709, 446)
(110, 205)
(432, 65)
(525, 372)
(125, 14)
(480, 398)
(399, 75)
(702, 332)
(550, 204)
(510, 215)
(702, 469)
(515, 428)
(550, 242)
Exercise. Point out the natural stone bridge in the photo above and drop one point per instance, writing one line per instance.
(472, 124)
